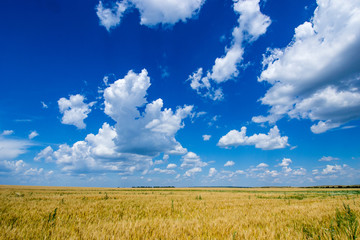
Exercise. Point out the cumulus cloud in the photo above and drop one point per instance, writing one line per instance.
(46, 154)
(251, 25)
(328, 159)
(285, 162)
(12, 166)
(300, 172)
(98, 153)
(148, 133)
(136, 138)
(270, 141)
(212, 172)
(229, 164)
(285, 175)
(167, 12)
(20, 169)
(171, 165)
(317, 76)
(166, 171)
(192, 160)
(111, 17)
(206, 137)
(152, 12)
(74, 110)
(33, 134)
(12, 148)
(332, 169)
(262, 165)
(192, 171)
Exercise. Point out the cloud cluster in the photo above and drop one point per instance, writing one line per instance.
(111, 17)
(251, 25)
(286, 173)
(192, 160)
(152, 12)
(335, 171)
(22, 170)
(74, 110)
(270, 141)
(317, 76)
(7, 166)
(137, 137)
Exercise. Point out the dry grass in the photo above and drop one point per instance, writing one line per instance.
(110, 213)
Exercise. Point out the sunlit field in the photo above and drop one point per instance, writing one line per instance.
(178, 213)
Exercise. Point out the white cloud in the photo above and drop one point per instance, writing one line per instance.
(33, 172)
(152, 12)
(331, 169)
(12, 166)
(202, 85)
(272, 173)
(46, 154)
(136, 138)
(191, 160)
(12, 148)
(166, 12)
(300, 172)
(74, 110)
(111, 17)
(285, 162)
(328, 159)
(262, 165)
(21, 170)
(33, 134)
(212, 172)
(270, 141)
(99, 153)
(7, 132)
(229, 164)
(166, 171)
(148, 133)
(206, 137)
(251, 25)
(158, 162)
(171, 165)
(317, 76)
(228, 174)
(192, 171)
(240, 172)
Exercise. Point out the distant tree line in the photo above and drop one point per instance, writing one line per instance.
(335, 186)
(153, 187)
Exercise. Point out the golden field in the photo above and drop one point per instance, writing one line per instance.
(178, 213)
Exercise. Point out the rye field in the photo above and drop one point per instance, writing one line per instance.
(178, 213)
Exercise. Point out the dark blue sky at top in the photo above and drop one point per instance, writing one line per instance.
(51, 49)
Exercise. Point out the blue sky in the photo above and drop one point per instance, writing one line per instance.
(183, 93)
